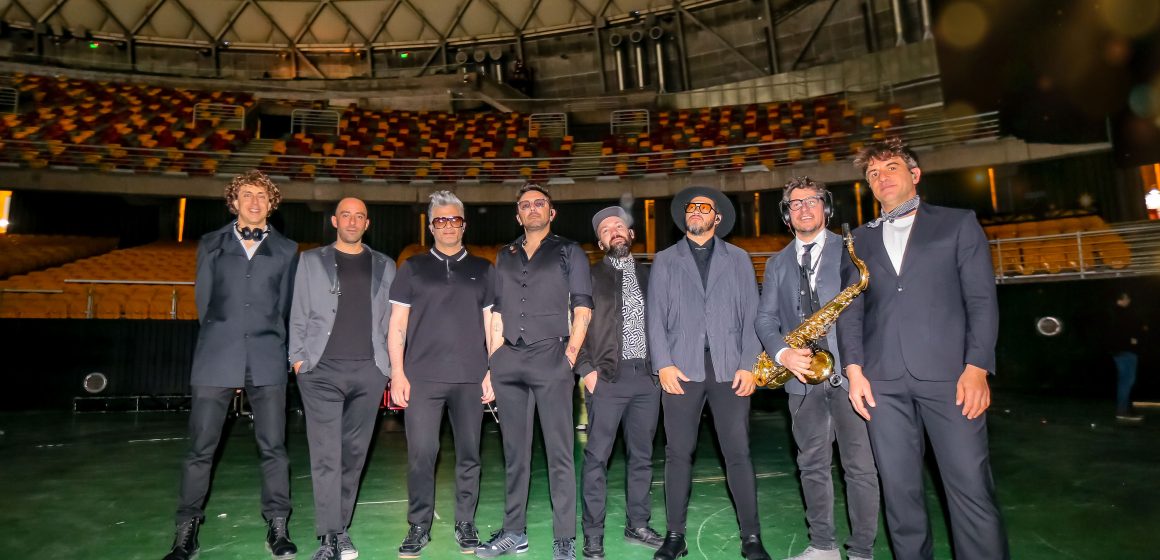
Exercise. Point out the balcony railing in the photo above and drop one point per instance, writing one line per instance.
(924, 132)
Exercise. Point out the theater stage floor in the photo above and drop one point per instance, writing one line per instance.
(1072, 484)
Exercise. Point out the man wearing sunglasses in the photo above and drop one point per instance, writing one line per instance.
(338, 350)
(541, 279)
(798, 281)
(440, 306)
(703, 301)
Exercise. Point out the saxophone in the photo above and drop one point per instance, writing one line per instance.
(769, 374)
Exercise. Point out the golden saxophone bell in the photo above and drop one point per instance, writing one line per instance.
(767, 373)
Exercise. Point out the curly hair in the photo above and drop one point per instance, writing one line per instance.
(803, 182)
(255, 178)
(884, 150)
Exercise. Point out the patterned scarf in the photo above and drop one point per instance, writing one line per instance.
(900, 211)
(632, 310)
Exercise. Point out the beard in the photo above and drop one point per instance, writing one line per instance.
(618, 250)
(699, 227)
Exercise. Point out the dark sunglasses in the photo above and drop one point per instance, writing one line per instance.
(452, 221)
(698, 207)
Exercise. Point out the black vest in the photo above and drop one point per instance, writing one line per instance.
(534, 294)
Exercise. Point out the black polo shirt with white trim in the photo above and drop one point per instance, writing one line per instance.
(445, 331)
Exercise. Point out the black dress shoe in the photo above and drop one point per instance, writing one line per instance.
(185, 544)
(593, 547)
(673, 547)
(646, 536)
(751, 548)
(278, 540)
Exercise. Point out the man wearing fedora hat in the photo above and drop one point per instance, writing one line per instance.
(702, 342)
(619, 384)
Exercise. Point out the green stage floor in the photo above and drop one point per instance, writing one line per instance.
(1071, 483)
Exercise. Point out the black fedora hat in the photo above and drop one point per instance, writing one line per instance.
(721, 203)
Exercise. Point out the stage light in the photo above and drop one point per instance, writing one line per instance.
(94, 45)
(1152, 199)
(405, 55)
(3, 223)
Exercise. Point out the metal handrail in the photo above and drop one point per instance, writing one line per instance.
(923, 133)
(89, 303)
(1123, 250)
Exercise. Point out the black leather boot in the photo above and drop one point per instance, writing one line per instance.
(673, 547)
(278, 539)
(185, 544)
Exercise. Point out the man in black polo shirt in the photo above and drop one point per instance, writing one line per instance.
(441, 303)
(539, 278)
(338, 325)
(618, 378)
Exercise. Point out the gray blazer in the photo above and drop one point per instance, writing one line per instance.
(682, 313)
(316, 302)
(242, 306)
(781, 309)
(938, 315)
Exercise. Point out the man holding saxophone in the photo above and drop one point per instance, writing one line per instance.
(797, 281)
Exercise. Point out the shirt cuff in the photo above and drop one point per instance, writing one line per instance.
(582, 300)
(777, 357)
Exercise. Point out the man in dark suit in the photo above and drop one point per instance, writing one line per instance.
(702, 304)
(798, 282)
(245, 273)
(338, 349)
(917, 348)
(618, 379)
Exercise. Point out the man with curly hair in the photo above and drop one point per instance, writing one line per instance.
(245, 273)
(918, 349)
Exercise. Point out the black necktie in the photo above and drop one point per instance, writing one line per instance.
(809, 296)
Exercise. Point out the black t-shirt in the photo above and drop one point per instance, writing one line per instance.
(350, 339)
(445, 331)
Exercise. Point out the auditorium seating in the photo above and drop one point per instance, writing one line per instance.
(776, 133)
(1052, 246)
(101, 124)
(130, 127)
(25, 253)
(161, 262)
(367, 141)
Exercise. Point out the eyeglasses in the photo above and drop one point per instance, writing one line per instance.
(539, 203)
(448, 221)
(698, 208)
(810, 202)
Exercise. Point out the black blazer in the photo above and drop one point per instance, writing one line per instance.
(938, 315)
(602, 345)
(242, 305)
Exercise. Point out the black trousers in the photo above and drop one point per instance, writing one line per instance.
(682, 425)
(424, 418)
(907, 406)
(206, 419)
(636, 399)
(821, 417)
(527, 377)
(341, 400)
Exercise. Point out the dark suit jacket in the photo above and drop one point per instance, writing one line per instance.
(781, 307)
(602, 346)
(683, 314)
(938, 315)
(242, 305)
